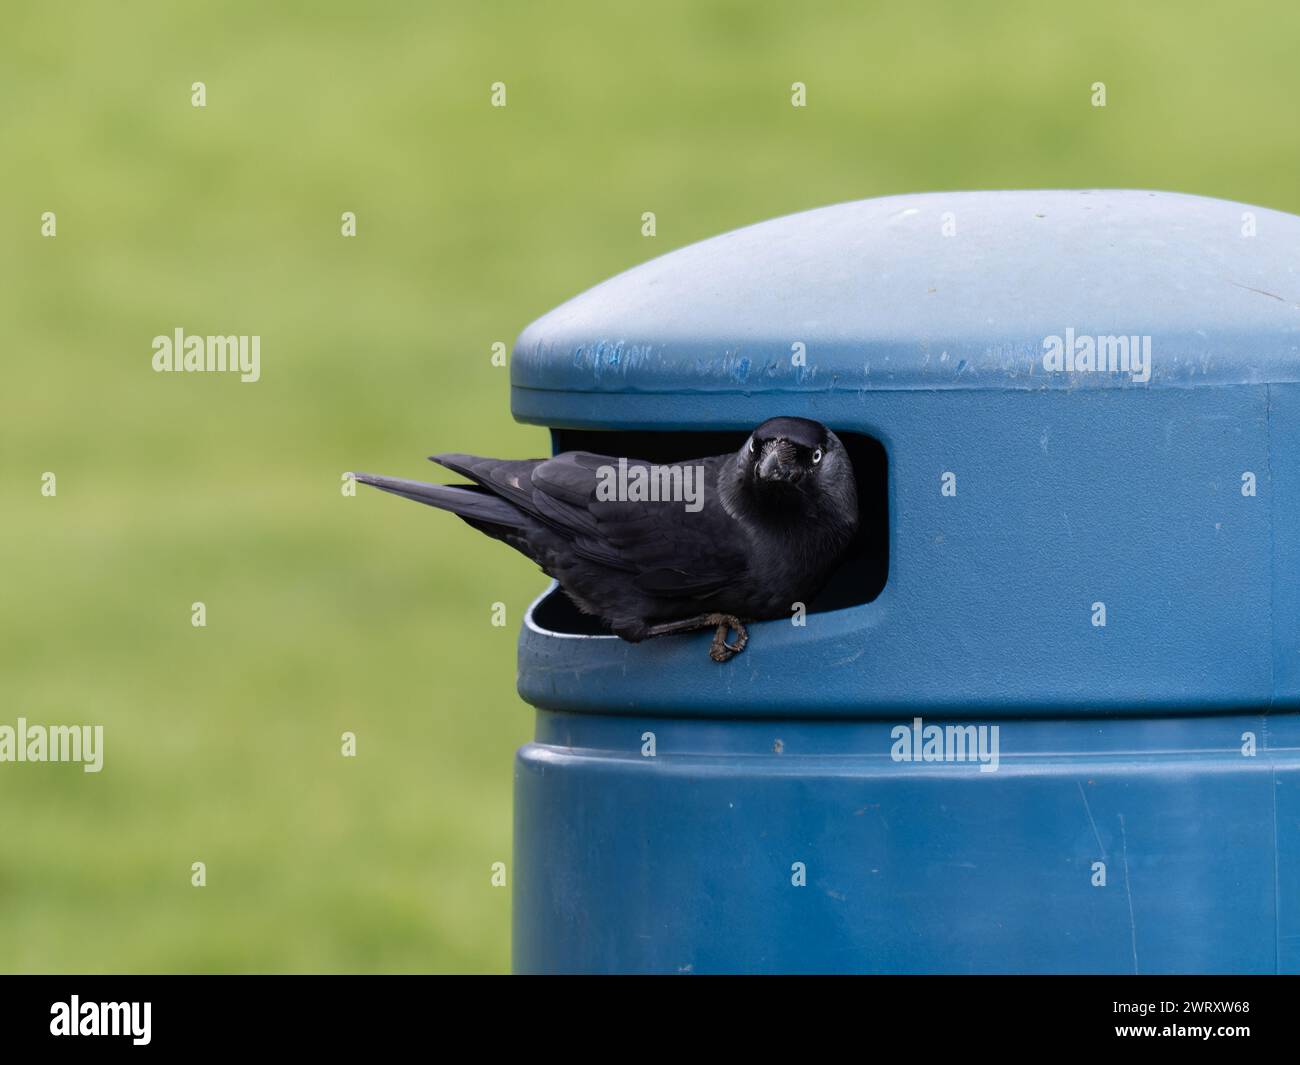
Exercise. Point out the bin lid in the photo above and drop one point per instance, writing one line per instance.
(936, 291)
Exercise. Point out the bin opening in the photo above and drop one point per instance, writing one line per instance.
(861, 576)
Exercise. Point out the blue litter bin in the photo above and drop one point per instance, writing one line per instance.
(1045, 717)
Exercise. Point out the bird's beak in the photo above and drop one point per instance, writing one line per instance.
(774, 465)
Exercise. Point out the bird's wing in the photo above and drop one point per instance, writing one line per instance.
(668, 550)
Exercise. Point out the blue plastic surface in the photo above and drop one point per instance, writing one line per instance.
(685, 862)
(1163, 745)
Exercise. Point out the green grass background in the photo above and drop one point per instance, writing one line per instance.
(367, 614)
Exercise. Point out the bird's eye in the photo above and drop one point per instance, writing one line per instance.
(752, 448)
(817, 455)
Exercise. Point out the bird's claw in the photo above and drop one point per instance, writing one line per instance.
(720, 650)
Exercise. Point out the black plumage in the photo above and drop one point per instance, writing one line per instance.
(773, 521)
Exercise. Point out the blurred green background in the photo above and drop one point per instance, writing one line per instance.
(328, 613)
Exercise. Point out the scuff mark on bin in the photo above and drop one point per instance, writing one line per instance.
(609, 358)
(1248, 288)
(1088, 810)
(1128, 893)
(850, 658)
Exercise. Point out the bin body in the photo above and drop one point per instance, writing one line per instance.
(1095, 569)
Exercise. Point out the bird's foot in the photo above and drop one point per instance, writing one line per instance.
(720, 650)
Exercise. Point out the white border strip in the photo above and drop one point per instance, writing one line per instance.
(534, 627)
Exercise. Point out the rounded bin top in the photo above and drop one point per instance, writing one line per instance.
(1059, 541)
(937, 291)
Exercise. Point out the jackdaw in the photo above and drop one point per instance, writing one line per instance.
(763, 529)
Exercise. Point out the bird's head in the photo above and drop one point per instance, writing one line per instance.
(798, 466)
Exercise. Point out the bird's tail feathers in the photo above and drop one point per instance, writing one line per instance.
(459, 462)
(470, 502)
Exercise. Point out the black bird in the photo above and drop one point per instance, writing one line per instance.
(769, 525)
